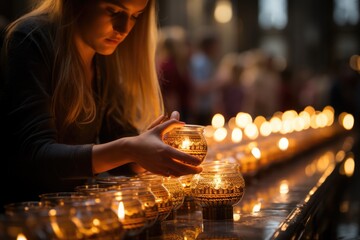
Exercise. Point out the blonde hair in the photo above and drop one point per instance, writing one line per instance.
(130, 86)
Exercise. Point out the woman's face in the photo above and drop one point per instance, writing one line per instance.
(104, 24)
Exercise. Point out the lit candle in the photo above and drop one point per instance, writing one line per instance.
(121, 211)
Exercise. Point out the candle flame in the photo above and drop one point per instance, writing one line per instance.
(185, 143)
(284, 187)
(21, 236)
(121, 211)
(257, 208)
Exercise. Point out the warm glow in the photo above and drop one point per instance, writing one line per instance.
(289, 115)
(287, 127)
(313, 123)
(218, 121)
(236, 213)
(348, 121)
(329, 112)
(299, 124)
(236, 135)
(265, 129)
(21, 236)
(306, 118)
(310, 110)
(321, 120)
(259, 120)
(310, 170)
(209, 131)
(340, 155)
(96, 222)
(223, 11)
(256, 152)
(349, 166)
(52, 212)
(232, 123)
(243, 119)
(275, 124)
(217, 181)
(323, 163)
(121, 211)
(185, 143)
(220, 134)
(251, 131)
(284, 187)
(257, 208)
(283, 144)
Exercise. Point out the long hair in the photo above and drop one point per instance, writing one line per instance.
(130, 89)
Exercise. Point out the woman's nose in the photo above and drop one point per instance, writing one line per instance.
(123, 24)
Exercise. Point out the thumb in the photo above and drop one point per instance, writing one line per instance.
(175, 115)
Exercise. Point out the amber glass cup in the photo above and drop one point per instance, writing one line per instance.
(189, 139)
(217, 189)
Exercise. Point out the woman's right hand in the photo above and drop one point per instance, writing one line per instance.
(150, 152)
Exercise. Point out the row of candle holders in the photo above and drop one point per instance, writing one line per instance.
(117, 207)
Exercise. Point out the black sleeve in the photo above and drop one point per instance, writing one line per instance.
(29, 125)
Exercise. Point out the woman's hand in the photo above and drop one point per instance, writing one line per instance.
(147, 151)
(152, 154)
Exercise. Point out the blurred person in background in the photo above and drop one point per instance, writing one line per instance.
(231, 92)
(173, 56)
(203, 67)
(261, 82)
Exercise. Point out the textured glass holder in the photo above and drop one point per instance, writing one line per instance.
(217, 188)
(189, 139)
(87, 219)
(62, 198)
(176, 190)
(128, 208)
(162, 195)
(146, 197)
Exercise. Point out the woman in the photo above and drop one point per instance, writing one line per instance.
(78, 94)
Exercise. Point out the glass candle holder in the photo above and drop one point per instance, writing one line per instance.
(189, 139)
(146, 197)
(62, 198)
(128, 208)
(217, 188)
(162, 195)
(189, 203)
(176, 190)
(28, 207)
(87, 219)
(23, 227)
(91, 189)
(111, 180)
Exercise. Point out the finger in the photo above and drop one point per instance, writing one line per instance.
(175, 115)
(168, 126)
(184, 157)
(179, 169)
(160, 119)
